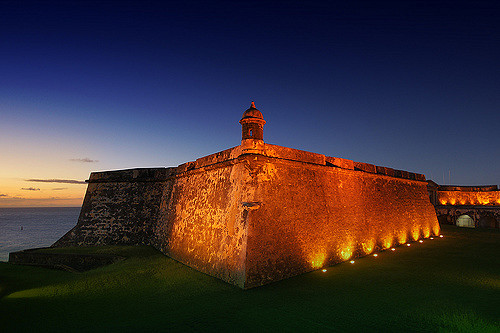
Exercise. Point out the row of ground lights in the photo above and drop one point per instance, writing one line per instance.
(392, 249)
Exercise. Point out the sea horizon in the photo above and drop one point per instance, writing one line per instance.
(23, 228)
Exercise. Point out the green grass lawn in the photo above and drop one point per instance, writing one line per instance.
(446, 284)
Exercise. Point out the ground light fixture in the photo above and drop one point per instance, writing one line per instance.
(392, 249)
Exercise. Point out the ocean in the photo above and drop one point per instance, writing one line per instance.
(25, 228)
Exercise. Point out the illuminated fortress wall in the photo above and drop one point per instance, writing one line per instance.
(257, 213)
(251, 219)
(472, 198)
(312, 216)
(201, 223)
(478, 206)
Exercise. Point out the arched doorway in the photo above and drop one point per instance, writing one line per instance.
(465, 221)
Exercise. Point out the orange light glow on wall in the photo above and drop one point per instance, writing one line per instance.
(415, 232)
(483, 201)
(402, 237)
(465, 198)
(368, 246)
(427, 231)
(346, 253)
(318, 260)
(386, 242)
(435, 229)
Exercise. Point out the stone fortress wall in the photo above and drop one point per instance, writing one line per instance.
(463, 197)
(257, 213)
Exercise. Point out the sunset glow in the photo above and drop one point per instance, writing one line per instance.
(95, 86)
(18, 192)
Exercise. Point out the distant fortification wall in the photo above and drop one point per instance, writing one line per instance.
(120, 207)
(457, 197)
(480, 203)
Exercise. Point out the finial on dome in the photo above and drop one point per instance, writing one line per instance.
(252, 105)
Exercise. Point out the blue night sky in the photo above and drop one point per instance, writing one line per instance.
(412, 85)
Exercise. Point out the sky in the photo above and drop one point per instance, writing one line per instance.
(104, 85)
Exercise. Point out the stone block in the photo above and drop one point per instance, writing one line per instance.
(293, 154)
(365, 167)
(340, 162)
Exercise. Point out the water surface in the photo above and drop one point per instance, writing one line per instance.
(24, 228)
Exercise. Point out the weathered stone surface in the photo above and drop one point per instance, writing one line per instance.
(340, 162)
(293, 154)
(365, 167)
(481, 198)
(120, 207)
(201, 222)
(215, 158)
(313, 216)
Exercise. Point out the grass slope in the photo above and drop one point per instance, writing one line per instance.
(448, 284)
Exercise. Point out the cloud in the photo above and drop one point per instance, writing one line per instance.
(3, 195)
(30, 189)
(8, 198)
(59, 188)
(83, 160)
(62, 181)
